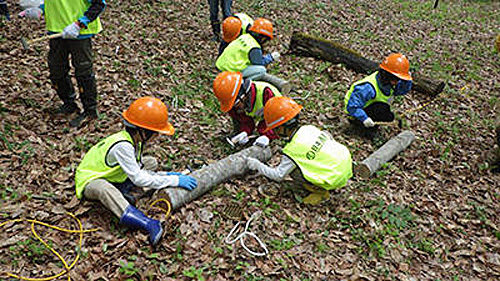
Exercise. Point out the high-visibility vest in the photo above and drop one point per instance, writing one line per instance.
(61, 13)
(246, 21)
(322, 161)
(235, 55)
(372, 80)
(258, 107)
(94, 164)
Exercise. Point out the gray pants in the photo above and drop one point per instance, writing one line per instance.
(103, 191)
(254, 72)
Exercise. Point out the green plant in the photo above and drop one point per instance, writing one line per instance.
(194, 273)
(128, 268)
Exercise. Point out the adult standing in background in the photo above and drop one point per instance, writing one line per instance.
(214, 15)
(77, 21)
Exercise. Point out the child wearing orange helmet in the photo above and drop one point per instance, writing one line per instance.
(115, 165)
(322, 163)
(367, 100)
(245, 54)
(244, 101)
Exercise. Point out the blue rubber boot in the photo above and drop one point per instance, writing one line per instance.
(136, 219)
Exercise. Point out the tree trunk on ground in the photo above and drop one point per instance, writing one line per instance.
(390, 149)
(306, 45)
(284, 86)
(213, 174)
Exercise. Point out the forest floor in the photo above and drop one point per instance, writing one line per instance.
(430, 214)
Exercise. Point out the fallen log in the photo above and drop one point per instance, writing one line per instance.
(306, 45)
(213, 174)
(385, 153)
(284, 86)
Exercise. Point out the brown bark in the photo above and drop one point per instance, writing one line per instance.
(213, 174)
(390, 149)
(309, 46)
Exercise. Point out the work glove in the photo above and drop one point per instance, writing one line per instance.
(252, 163)
(187, 182)
(276, 56)
(4, 9)
(241, 138)
(31, 13)
(71, 31)
(262, 141)
(368, 123)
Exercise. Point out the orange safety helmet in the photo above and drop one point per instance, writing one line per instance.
(231, 28)
(149, 113)
(279, 110)
(226, 88)
(398, 65)
(262, 26)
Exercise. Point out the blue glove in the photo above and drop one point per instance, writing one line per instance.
(173, 174)
(187, 182)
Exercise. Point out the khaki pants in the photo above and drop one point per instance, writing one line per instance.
(103, 191)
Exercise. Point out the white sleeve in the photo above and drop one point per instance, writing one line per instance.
(123, 153)
(278, 173)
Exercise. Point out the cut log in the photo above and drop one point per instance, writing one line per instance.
(390, 149)
(213, 174)
(309, 46)
(284, 86)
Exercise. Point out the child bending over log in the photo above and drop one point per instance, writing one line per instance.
(367, 100)
(115, 164)
(244, 100)
(245, 53)
(323, 164)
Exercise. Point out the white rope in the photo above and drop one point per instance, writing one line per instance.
(241, 236)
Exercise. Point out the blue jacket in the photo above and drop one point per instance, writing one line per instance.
(365, 92)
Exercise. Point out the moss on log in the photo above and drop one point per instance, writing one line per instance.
(306, 45)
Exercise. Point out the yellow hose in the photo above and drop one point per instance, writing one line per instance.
(67, 267)
(80, 231)
(167, 211)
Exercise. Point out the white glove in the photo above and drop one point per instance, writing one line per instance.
(71, 31)
(261, 141)
(25, 4)
(275, 56)
(241, 138)
(368, 122)
(252, 163)
(32, 13)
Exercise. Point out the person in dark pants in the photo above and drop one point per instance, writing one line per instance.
(76, 40)
(4, 9)
(367, 100)
(214, 15)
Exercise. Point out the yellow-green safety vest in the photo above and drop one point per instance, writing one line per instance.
(61, 13)
(258, 107)
(246, 21)
(322, 161)
(235, 56)
(94, 164)
(379, 96)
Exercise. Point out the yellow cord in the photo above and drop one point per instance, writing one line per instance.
(167, 211)
(67, 267)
